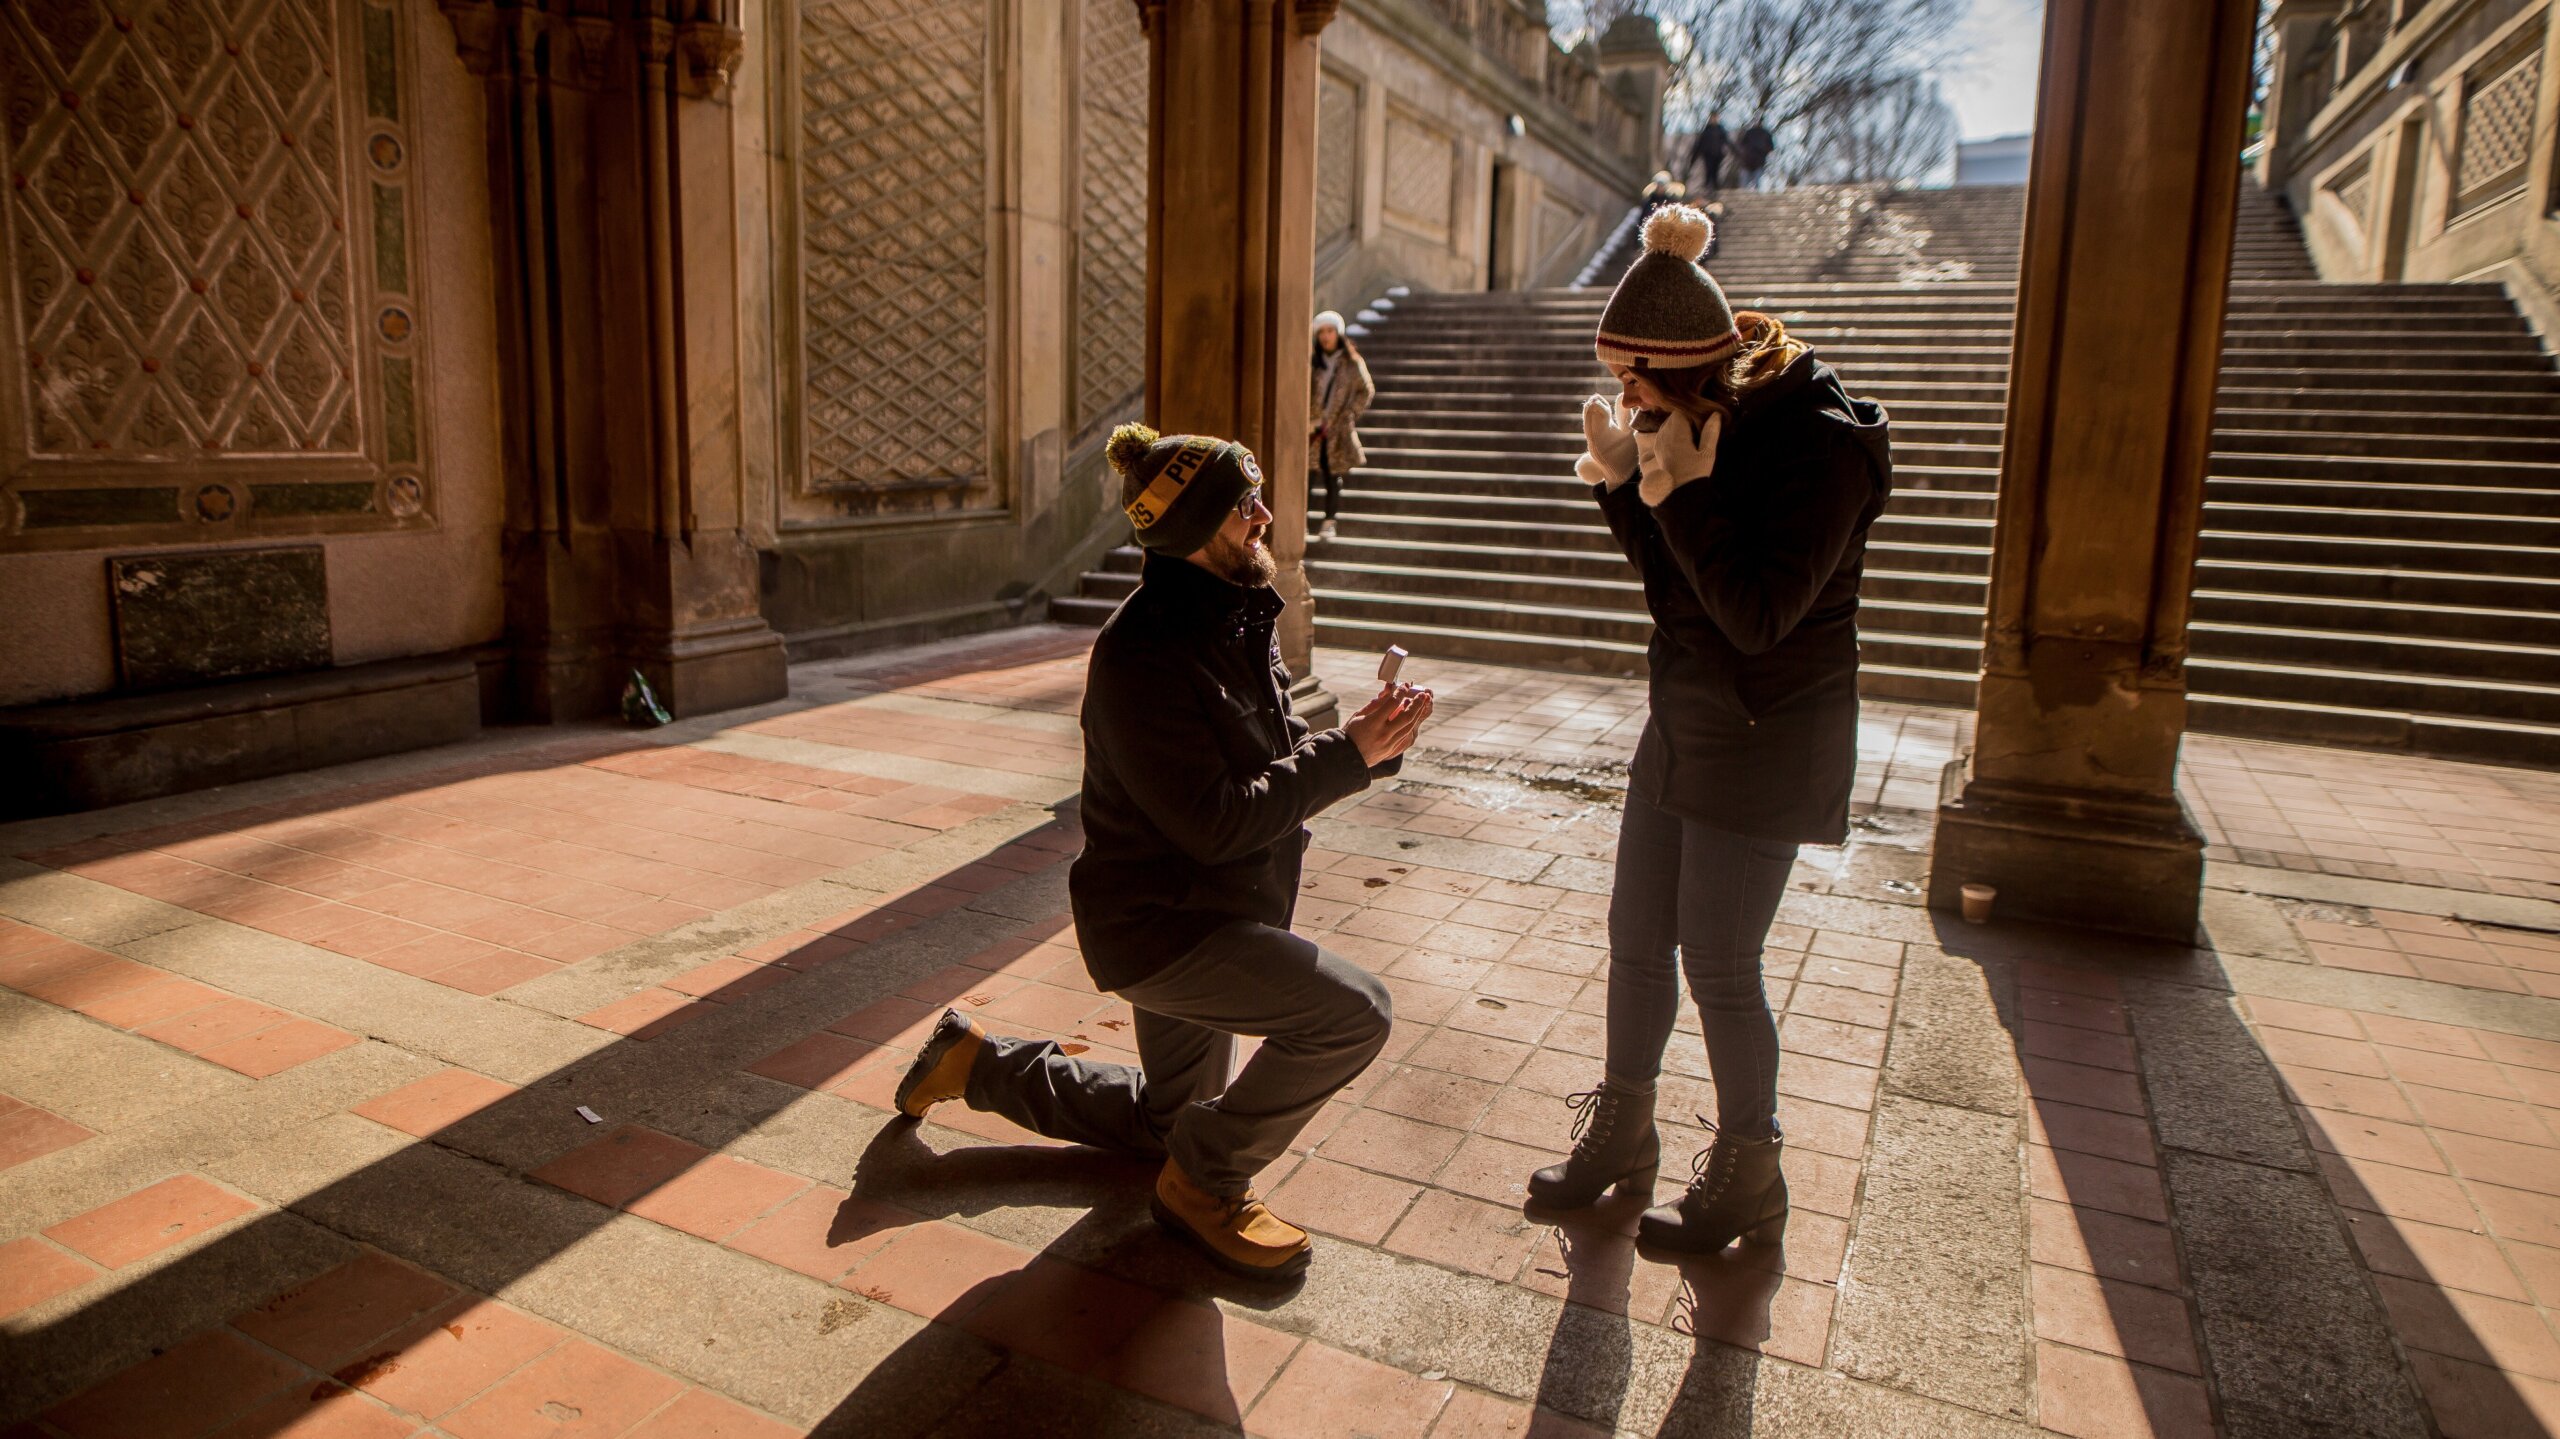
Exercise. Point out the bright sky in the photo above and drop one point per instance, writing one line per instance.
(1994, 89)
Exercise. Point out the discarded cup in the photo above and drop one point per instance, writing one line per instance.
(1977, 903)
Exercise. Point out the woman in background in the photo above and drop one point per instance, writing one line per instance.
(1341, 392)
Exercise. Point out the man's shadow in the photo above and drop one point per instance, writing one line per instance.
(1118, 1300)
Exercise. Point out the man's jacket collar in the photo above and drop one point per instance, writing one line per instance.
(1187, 595)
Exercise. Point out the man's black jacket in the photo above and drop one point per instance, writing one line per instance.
(1198, 780)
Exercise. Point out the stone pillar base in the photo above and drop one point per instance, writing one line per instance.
(2062, 859)
(727, 667)
(1312, 702)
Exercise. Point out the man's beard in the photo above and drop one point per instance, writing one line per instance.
(1232, 561)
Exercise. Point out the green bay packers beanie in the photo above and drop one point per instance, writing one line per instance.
(1178, 489)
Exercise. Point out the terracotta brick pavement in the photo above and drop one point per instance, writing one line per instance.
(805, 923)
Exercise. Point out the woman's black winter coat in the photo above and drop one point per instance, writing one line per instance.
(1752, 577)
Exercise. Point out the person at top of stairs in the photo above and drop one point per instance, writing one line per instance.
(1342, 390)
(1707, 153)
(1740, 478)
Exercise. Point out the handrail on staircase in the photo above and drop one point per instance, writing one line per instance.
(1596, 269)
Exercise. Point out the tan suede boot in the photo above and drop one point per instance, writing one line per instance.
(1240, 1234)
(941, 1070)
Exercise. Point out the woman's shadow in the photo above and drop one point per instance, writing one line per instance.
(1112, 1296)
(1721, 1304)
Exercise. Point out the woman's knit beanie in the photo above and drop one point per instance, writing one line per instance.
(1178, 489)
(1668, 314)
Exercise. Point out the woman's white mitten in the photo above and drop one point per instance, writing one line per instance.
(1680, 454)
(1609, 444)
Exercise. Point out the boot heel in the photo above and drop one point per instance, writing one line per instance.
(1769, 1234)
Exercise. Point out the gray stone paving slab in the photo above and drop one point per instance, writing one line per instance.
(1066, 1404)
(95, 1075)
(206, 1132)
(1052, 723)
(752, 1329)
(475, 1223)
(2292, 1331)
(1934, 1299)
(781, 1125)
(74, 1340)
(2211, 1087)
(1424, 1319)
(1881, 873)
(2238, 922)
(916, 1387)
(289, 1165)
(2524, 1014)
(1953, 1033)
(617, 973)
(80, 908)
(2463, 904)
(909, 769)
(1728, 1394)
(1609, 1370)
(505, 1040)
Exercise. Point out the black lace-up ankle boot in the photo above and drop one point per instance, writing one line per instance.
(1736, 1190)
(1614, 1142)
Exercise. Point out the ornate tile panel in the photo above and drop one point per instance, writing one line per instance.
(1111, 164)
(894, 252)
(194, 295)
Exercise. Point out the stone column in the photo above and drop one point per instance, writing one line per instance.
(1231, 255)
(2068, 802)
(611, 163)
(2293, 96)
(1631, 54)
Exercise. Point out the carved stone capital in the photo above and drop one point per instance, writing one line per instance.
(1313, 15)
(710, 56)
(701, 39)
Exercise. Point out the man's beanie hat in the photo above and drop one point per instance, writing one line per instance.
(1667, 314)
(1181, 488)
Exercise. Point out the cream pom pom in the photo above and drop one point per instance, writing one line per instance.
(1681, 230)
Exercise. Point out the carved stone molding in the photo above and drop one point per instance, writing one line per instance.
(1313, 15)
(702, 39)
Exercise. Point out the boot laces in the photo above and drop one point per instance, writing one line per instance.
(1595, 1114)
(1713, 1168)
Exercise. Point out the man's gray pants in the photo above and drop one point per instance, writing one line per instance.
(1321, 1020)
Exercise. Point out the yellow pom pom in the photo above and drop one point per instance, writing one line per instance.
(1128, 447)
(1681, 230)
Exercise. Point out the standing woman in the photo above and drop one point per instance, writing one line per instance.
(1740, 478)
(1341, 394)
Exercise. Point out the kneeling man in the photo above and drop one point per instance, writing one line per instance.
(1198, 783)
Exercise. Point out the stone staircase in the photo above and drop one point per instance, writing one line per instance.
(2381, 557)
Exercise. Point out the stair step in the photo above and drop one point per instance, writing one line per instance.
(2380, 563)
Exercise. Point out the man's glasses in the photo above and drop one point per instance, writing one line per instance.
(1252, 501)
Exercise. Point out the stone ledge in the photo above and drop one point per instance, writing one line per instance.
(88, 754)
